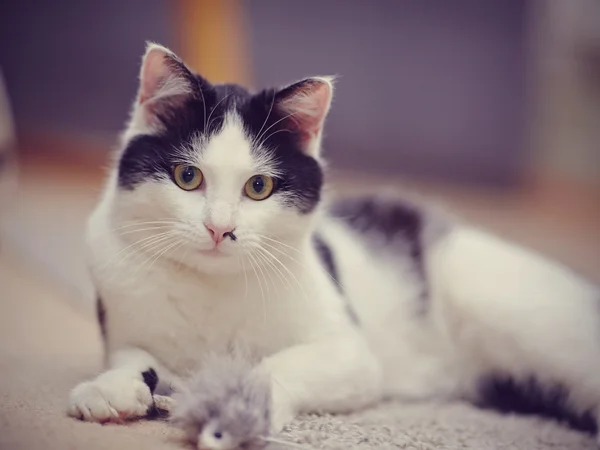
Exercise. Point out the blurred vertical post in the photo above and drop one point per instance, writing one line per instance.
(8, 144)
(213, 39)
(566, 139)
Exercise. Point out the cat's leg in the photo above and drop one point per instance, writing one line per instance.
(336, 374)
(521, 325)
(124, 391)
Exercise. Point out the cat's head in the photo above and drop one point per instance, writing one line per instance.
(219, 170)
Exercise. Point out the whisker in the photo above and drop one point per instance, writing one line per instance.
(278, 271)
(280, 243)
(275, 132)
(268, 115)
(288, 271)
(155, 255)
(262, 292)
(262, 258)
(213, 110)
(260, 268)
(203, 105)
(182, 258)
(149, 222)
(137, 253)
(143, 248)
(245, 276)
(102, 233)
(147, 240)
(273, 124)
(336, 282)
(144, 229)
(175, 246)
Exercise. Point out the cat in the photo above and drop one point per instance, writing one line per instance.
(213, 229)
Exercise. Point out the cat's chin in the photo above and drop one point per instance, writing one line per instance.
(214, 252)
(209, 261)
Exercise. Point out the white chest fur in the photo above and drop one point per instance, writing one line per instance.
(178, 314)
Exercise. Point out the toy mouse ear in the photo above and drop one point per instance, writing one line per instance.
(306, 103)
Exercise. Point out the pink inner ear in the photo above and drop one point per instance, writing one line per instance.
(154, 73)
(163, 83)
(308, 107)
(162, 77)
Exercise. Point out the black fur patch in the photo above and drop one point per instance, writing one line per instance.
(101, 315)
(155, 413)
(529, 397)
(151, 379)
(327, 259)
(149, 157)
(393, 221)
(326, 255)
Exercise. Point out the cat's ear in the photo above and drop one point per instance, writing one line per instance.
(165, 83)
(306, 104)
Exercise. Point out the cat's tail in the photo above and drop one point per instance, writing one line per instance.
(526, 329)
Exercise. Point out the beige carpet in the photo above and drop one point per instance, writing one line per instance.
(46, 346)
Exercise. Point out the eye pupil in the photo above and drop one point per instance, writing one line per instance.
(187, 175)
(258, 184)
(218, 435)
(259, 187)
(187, 178)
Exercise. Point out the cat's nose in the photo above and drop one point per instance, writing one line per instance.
(219, 233)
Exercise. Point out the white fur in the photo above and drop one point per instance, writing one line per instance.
(116, 394)
(507, 309)
(493, 306)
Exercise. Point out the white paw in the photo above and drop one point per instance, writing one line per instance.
(113, 396)
(281, 412)
(279, 420)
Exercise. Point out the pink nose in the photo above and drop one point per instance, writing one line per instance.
(219, 233)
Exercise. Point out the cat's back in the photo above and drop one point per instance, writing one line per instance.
(381, 248)
(378, 249)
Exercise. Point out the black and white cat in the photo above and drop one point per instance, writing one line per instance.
(211, 231)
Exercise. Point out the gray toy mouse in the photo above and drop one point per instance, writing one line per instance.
(225, 406)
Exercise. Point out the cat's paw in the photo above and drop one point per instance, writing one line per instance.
(279, 420)
(112, 396)
(281, 412)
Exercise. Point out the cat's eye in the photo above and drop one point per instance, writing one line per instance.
(187, 178)
(259, 187)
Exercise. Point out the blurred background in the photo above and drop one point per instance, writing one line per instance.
(492, 107)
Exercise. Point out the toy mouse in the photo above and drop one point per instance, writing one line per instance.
(225, 406)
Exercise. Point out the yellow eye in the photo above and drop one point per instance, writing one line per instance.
(187, 178)
(259, 187)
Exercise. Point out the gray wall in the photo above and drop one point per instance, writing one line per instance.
(72, 65)
(430, 87)
(426, 87)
